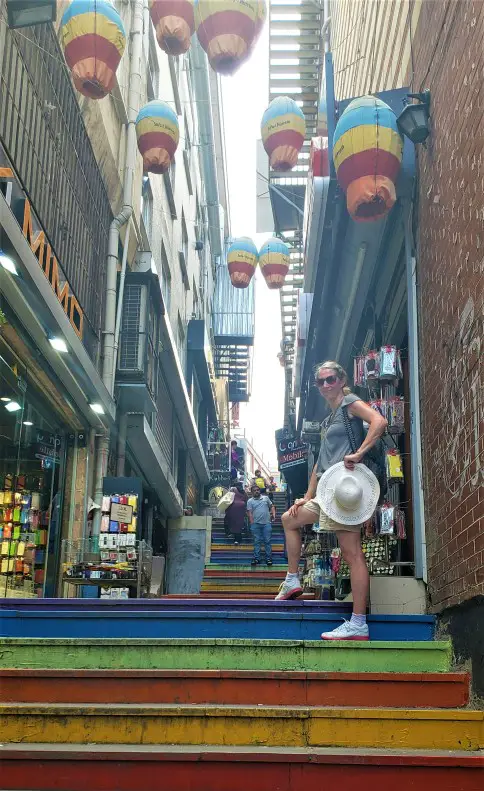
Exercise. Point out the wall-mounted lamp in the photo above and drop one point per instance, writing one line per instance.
(23, 13)
(413, 121)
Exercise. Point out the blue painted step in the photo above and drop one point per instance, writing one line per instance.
(173, 605)
(226, 623)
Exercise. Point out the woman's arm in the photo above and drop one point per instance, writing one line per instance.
(376, 427)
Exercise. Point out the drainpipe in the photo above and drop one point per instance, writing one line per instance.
(109, 332)
(420, 542)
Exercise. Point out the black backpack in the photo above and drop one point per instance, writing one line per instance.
(374, 458)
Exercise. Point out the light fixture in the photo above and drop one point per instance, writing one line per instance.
(58, 344)
(8, 263)
(413, 121)
(6, 399)
(97, 408)
(23, 13)
(12, 406)
(28, 423)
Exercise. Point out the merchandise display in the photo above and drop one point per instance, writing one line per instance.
(24, 524)
(114, 558)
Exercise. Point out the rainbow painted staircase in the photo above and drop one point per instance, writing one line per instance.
(211, 694)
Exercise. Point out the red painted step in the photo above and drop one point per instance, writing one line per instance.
(121, 768)
(237, 687)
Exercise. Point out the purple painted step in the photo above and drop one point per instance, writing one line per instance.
(173, 605)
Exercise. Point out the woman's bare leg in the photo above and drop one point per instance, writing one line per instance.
(350, 544)
(292, 528)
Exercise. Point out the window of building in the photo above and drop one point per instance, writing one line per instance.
(153, 70)
(175, 65)
(195, 303)
(187, 157)
(180, 340)
(165, 279)
(183, 253)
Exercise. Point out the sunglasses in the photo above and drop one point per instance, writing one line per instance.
(328, 379)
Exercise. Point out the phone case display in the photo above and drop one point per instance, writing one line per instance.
(318, 574)
(108, 560)
(24, 523)
(377, 366)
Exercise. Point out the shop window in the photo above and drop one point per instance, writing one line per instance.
(32, 456)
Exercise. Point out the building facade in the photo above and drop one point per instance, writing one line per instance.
(414, 281)
(130, 398)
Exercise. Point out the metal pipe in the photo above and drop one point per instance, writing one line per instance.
(326, 30)
(360, 259)
(119, 311)
(420, 541)
(122, 433)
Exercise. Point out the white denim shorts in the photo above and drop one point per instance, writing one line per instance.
(325, 523)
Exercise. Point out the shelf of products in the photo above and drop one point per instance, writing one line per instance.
(24, 525)
(114, 558)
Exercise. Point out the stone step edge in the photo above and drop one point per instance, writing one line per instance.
(284, 675)
(223, 754)
(359, 645)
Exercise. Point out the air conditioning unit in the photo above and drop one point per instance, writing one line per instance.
(139, 342)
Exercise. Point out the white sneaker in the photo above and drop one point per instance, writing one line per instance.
(347, 631)
(289, 589)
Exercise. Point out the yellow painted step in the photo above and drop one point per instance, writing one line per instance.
(433, 729)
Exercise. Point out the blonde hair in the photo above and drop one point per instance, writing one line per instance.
(339, 371)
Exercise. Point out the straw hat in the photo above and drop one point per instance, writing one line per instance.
(348, 496)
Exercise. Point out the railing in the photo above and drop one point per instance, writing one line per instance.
(42, 130)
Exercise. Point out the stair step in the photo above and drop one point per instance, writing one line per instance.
(190, 623)
(226, 654)
(122, 768)
(278, 726)
(236, 687)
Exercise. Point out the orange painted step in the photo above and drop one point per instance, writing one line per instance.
(121, 768)
(237, 687)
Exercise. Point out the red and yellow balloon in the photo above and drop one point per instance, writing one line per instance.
(158, 134)
(227, 30)
(94, 40)
(174, 22)
(242, 260)
(274, 262)
(367, 154)
(283, 129)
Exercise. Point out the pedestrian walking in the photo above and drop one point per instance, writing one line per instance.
(261, 515)
(259, 481)
(271, 488)
(340, 495)
(234, 519)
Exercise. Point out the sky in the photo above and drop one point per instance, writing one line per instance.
(245, 97)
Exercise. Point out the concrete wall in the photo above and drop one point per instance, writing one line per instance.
(188, 538)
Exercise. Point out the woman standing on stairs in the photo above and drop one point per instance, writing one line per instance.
(235, 515)
(331, 380)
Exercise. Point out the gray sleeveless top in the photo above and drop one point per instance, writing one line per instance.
(335, 444)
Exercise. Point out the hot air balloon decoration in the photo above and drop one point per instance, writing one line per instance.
(283, 129)
(274, 262)
(227, 30)
(242, 260)
(367, 153)
(174, 22)
(158, 134)
(94, 40)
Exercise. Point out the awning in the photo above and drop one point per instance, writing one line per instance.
(153, 464)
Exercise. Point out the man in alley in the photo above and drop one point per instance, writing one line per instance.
(261, 515)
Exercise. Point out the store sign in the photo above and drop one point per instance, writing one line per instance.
(50, 266)
(219, 484)
(290, 452)
(40, 246)
(122, 513)
(47, 446)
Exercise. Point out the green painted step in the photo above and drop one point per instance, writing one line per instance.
(226, 654)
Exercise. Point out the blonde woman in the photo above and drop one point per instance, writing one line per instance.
(332, 382)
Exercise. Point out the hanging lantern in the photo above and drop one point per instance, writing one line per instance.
(94, 40)
(158, 134)
(242, 260)
(274, 262)
(322, 125)
(227, 30)
(259, 24)
(174, 23)
(283, 130)
(367, 153)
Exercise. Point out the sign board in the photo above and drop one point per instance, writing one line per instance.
(218, 485)
(291, 452)
(122, 513)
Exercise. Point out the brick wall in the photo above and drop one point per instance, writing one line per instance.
(449, 59)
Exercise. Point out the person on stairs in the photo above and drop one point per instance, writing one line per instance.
(235, 515)
(261, 515)
(259, 481)
(331, 380)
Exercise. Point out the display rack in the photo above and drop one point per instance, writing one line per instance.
(84, 562)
